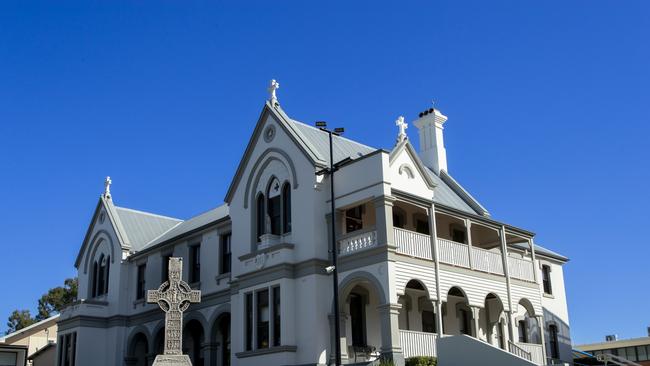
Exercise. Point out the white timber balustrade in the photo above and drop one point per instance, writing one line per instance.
(453, 253)
(535, 351)
(417, 343)
(521, 269)
(357, 241)
(487, 261)
(518, 351)
(412, 244)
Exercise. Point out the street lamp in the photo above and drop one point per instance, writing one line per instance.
(333, 268)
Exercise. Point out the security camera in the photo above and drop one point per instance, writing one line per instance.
(330, 269)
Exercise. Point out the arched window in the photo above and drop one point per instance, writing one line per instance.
(553, 340)
(94, 279)
(273, 206)
(286, 208)
(101, 277)
(259, 207)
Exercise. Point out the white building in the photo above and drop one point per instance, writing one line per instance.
(416, 251)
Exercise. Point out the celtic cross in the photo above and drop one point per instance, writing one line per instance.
(174, 297)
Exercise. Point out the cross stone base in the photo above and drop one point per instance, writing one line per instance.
(172, 360)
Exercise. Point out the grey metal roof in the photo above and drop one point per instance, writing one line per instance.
(343, 148)
(194, 223)
(444, 195)
(541, 250)
(142, 227)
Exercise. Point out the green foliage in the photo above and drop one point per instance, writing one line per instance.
(57, 298)
(385, 362)
(18, 320)
(421, 361)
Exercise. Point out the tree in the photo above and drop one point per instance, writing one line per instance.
(19, 319)
(57, 298)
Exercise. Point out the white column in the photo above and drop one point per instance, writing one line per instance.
(468, 227)
(506, 271)
(532, 256)
(475, 320)
(434, 252)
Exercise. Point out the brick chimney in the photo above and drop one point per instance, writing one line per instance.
(432, 144)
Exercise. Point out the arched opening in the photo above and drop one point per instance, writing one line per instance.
(260, 217)
(100, 275)
(417, 313)
(138, 351)
(457, 315)
(493, 324)
(221, 339)
(528, 330)
(274, 206)
(286, 208)
(193, 339)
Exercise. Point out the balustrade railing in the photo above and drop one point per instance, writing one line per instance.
(413, 244)
(535, 351)
(518, 351)
(453, 253)
(356, 242)
(487, 261)
(417, 343)
(521, 269)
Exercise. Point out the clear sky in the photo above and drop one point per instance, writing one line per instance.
(548, 105)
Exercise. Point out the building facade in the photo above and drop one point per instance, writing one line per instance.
(419, 257)
(33, 338)
(636, 350)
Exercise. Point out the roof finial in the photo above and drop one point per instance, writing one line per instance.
(107, 187)
(272, 88)
(402, 129)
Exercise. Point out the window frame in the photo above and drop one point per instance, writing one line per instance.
(195, 263)
(225, 253)
(141, 281)
(547, 283)
(285, 203)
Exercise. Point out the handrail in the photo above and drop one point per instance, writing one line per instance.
(518, 351)
(412, 243)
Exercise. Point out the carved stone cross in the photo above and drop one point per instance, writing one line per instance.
(402, 128)
(174, 297)
(272, 88)
(107, 187)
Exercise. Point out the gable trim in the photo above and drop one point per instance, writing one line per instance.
(287, 127)
(406, 145)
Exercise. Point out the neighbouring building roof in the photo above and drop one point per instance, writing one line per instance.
(599, 346)
(45, 323)
(41, 350)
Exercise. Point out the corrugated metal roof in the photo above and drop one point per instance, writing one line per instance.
(541, 250)
(191, 224)
(142, 227)
(444, 195)
(343, 148)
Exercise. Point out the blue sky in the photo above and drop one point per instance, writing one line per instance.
(547, 104)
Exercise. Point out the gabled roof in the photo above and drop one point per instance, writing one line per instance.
(190, 225)
(541, 251)
(142, 227)
(46, 323)
(406, 145)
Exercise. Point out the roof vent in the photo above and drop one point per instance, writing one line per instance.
(611, 338)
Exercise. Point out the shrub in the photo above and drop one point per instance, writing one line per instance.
(421, 361)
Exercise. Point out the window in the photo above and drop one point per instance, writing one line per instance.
(263, 319)
(195, 263)
(273, 207)
(523, 331)
(642, 353)
(422, 224)
(399, 218)
(67, 349)
(457, 234)
(226, 254)
(259, 218)
(354, 219)
(276, 317)
(465, 322)
(553, 341)
(100, 275)
(546, 279)
(286, 208)
(428, 321)
(165, 267)
(501, 337)
(249, 321)
(631, 353)
(141, 286)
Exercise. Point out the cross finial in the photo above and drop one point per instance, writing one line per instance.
(272, 88)
(402, 128)
(107, 187)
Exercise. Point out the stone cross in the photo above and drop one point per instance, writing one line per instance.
(174, 297)
(272, 88)
(402, 128)
(107, 187)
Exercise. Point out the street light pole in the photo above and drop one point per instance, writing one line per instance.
(335, 270)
